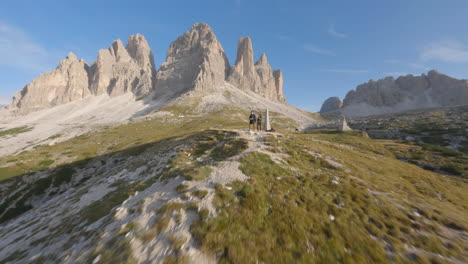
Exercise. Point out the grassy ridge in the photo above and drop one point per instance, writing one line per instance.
(305, 211)
(112, 139)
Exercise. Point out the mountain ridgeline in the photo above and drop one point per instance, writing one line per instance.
(196, 60)
(390, 95)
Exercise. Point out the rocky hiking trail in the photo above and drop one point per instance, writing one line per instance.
(147, 223)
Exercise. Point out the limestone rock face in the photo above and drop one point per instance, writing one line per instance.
(120, 69)
(257, 77)
(67, 83)
(404, 93)
(331, 104)
(278, 74)
(267, 86)
(243, 74)
(196, 60)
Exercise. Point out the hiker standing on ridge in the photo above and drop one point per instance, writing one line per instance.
(252, 119)
(259, 122)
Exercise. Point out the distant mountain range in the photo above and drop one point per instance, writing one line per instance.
(390, 95)
(196, 60)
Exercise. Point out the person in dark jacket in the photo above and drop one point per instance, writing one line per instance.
(259, 122)
(252, 119)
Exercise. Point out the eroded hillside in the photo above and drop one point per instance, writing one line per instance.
(203, 189)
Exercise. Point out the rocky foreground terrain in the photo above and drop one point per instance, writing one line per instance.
(151, 192)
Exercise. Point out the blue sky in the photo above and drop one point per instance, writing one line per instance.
(325, 48)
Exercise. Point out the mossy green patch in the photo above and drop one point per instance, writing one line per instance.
(15, 131)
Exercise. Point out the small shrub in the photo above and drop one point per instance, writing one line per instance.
(200, 193)
(175, 241)
(452, 169)
(181, 188)
(198, 174)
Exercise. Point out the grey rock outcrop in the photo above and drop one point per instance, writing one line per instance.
(267, 86)
(408, 92)
(257, 77)
(196, 60)
(116, 71)
(278, 74)
(243, 74)
(67, 83)
(120, 69)
(331, 104)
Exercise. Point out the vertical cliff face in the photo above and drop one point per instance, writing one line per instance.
(116, 71)
(267, 87)
(243, 74)
(196, 60)
(68, 82)
(257, 77)
(140, 51)
(120, 69)
(278, 74)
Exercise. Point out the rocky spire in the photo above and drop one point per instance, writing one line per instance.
(278, 74)
(257, 77)
(67, 83)
(196, 60)
(120, 69)
(243, 74)
(139, 49)
(267, 80)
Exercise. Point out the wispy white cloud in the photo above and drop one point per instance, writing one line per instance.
(17, 49)
(282, 37)
(317, 50)
(347, 71)
(332, 32)
(446, 51)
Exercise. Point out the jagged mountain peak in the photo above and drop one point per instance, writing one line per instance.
(71, 56)
(195, 60)
(257, 77)
(263, 60)
(139, 49)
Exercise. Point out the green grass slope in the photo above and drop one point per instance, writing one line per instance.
(311, 197)
(371, 209)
